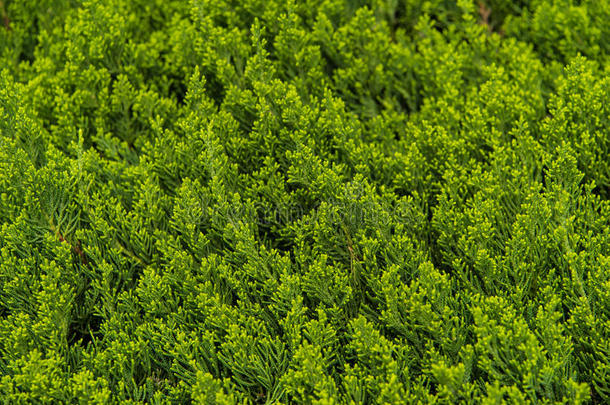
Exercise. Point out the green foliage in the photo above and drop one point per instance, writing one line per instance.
(320, 201)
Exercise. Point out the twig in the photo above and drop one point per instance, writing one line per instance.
(76, 248)
(485, 13)
(5, 20)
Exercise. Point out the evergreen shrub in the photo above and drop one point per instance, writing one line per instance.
(316, 201)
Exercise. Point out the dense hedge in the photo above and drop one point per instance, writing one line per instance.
(318, 201)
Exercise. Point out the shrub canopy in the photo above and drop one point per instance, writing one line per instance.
(317, 201)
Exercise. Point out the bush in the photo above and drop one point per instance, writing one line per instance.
(318, 201)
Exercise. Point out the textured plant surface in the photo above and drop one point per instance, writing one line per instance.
(317, 201)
